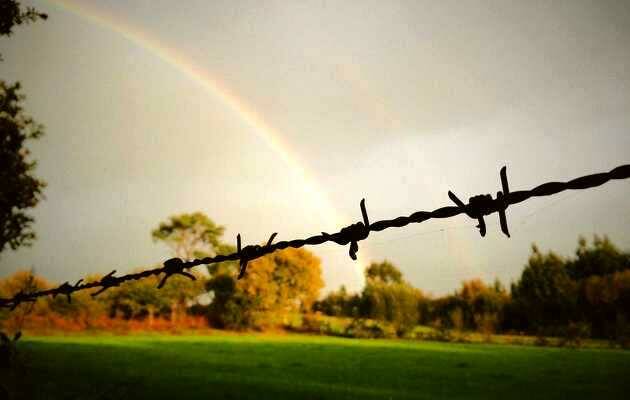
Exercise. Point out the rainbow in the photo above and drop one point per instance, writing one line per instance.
(185, 65)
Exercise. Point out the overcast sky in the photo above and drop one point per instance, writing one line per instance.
(397, 102)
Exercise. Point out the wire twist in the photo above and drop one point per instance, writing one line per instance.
(67, 289)
(174, 266)
(482, 205)
(251, 252)
(353, 233)
(107, 282)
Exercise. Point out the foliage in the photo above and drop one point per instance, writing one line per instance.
(131, 301)
(281, 286)
(396, 303)
(284, 281)
(602, 258)
(545, 294)
(570, 298)
(21, 281)
(476, 306)
(83, 311)
(384, 272)
(142, 299)
(605, 301)
(369, 329)
(137, 299)
(12, 14)
(574, 334)
(19, 188)
(582, 296)
(339, 303)
(281, 282)
(230, 307)
(386, 297)
(191, 236)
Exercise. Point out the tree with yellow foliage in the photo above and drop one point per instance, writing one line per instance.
(279, 283)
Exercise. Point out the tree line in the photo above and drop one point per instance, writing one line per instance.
(277, 285)
(586, 295)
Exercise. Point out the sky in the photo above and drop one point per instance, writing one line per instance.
(278, 116)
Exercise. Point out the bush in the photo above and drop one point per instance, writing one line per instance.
(367, 329)
(486, 324)
(315, 324)
(396, 303)
(441, 333)
(574, 334)
(541, 340)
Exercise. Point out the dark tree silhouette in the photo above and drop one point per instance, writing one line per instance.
(19, 189)
(12, 14)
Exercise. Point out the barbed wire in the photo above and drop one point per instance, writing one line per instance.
(477, 208)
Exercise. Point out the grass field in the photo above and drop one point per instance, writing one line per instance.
(307, 367)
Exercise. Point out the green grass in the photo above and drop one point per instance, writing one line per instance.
(307, 367)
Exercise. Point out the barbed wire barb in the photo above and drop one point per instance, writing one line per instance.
(67, 289)
(251, 252)
(477, 208)
(482, 205)
(174, 266)
(108, 281)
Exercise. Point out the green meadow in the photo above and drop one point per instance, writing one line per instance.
(226, 366)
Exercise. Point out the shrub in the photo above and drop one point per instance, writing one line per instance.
(315, 324)
(574, 334)
(367, 329)
(440, 333)
(486, 324)
(541, 340)
(396, 303)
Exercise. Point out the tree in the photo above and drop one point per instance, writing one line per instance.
(288, 280)
(19, 189)
(192, 236)
(480, 306)
(142, 298)
(602, 258)
(339, 303)
(602, 272)
(279, 283)
(12, 14)
(26, 282)
(178, 291)
(388, 297)
(397, 303)
(83, 310)
(605, 302)
(545, 293)
(231, 307)
(384, 272)
(136, 299)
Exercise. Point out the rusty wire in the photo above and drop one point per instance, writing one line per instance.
(477, 208)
